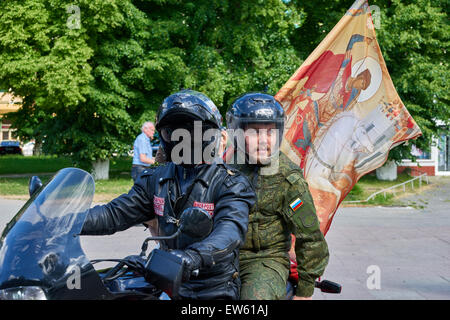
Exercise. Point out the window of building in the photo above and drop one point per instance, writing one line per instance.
(420, 154)
(5, 135)
(444, 153)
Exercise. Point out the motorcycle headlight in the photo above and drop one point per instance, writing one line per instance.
(23, 293)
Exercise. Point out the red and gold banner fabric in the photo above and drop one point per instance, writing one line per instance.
(343, 114)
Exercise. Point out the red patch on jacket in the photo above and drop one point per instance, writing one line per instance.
(158, 205)
(206, 206)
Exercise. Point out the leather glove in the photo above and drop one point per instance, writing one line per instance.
(191, 261)
(136, 262)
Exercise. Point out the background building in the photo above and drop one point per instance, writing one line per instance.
(8, 103)
(433, 163)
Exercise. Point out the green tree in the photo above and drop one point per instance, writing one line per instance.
(87, 89)
(78, 81)
(414, 37)
(89, 78)
(228, 47)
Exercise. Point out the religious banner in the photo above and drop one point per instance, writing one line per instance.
(343, 114)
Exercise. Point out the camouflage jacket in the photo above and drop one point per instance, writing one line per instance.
(272, 220)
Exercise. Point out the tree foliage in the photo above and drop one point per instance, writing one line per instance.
(415, 39)
(226, 47)
(86, 91)
(79, 82)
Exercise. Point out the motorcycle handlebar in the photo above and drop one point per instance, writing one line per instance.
(328, 286)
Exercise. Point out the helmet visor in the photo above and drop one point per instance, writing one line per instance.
(190, 143)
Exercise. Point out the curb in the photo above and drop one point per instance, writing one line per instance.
(26, 175)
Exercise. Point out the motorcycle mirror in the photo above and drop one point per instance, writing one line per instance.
(33, 185)
(196, 222)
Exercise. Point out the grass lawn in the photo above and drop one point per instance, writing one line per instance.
(105, 190)
(369, 184)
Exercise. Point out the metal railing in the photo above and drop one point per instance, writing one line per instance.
(384, 191)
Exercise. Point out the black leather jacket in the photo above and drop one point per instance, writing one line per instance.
(223, 191)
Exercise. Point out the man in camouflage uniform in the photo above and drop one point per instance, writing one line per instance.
(284, 206)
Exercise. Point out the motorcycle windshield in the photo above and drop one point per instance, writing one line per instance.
(41, 246)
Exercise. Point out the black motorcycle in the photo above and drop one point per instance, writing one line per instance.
(41, 256)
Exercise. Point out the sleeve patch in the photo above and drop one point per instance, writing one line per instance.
(297, 203)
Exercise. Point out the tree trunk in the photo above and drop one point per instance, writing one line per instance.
(387, 172)
(100, 169)
(37, 150)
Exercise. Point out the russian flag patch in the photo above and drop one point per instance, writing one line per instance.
(297, 203)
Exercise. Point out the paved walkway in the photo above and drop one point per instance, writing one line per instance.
(409, 248)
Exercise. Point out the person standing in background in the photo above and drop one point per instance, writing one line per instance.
(143, 153)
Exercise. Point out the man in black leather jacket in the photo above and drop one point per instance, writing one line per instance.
(165, 191)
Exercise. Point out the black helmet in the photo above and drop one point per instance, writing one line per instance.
(181, 110)
(255, 107)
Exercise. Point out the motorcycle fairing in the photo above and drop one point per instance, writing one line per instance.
(40, 246)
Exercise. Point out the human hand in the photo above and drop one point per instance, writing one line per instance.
(191, 261)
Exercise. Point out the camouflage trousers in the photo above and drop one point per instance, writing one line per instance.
(263, 279)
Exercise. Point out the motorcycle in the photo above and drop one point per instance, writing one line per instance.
(41, 256)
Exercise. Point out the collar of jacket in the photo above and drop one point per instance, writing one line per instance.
(205, 174)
